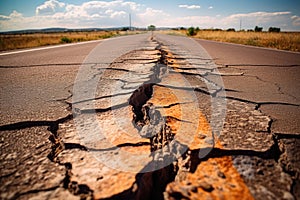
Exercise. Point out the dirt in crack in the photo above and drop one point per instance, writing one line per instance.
(141, 95)
(151, 124)
(77, 189)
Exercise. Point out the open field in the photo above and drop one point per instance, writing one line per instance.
(19, 41)
(284, 40)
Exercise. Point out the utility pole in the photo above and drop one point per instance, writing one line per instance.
(130, 21)
(240, 24)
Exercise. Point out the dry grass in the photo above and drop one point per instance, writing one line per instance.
(19, 41)
(285, 40)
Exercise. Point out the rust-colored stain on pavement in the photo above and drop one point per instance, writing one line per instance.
(211, 178)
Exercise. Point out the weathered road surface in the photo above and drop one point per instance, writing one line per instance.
(136, 117)
(269, 78)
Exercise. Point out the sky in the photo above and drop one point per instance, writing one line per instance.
(224, 14)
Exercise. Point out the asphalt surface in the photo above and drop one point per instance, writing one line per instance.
(34, 84)
(269, 78)
(42, 155)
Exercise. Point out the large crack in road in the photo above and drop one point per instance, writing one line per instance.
(148, 109)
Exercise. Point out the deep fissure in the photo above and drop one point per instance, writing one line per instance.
(152, 125)
(58, 146)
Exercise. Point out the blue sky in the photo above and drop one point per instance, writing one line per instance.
(16, 14)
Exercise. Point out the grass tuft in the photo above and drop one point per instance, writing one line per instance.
(66, 40)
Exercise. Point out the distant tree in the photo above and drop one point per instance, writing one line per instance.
(151, 28)
(274, 29)
(125, 29)
(192, 31)
(231, 30)
(258, 29)
(182, 28)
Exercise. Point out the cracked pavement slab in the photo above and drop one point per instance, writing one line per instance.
(153, 128)
(25, 169)
(270, 79)
(35, 94)
(279, 70)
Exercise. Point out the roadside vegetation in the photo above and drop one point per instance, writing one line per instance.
(272, 38)
(28, 40)
(283, 41)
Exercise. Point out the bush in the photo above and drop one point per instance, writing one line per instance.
(274, 29)
(258, 29)
(192, 31)
(65, 40)
(125, 29)
(231, 30)
(151, 28)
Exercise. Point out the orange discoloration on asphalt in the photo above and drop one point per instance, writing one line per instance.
(214, 178)
(124, 133)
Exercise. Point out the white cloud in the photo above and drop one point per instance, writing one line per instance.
(15, 15)
(131, 5)
(259, 14)
(49, 7)
(99, 13)
(187, 21)
(151, 16)
(16, 21)
(264, 19)
(210, 7)
(54, 13)
(249, 21)
(3, 17)
(150, 12)
(12, 20)
(296, 20)
(190, 6)
(117, 14)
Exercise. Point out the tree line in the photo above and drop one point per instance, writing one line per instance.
(193, 31)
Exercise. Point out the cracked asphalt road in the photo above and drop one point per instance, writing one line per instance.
(268, 78)
(33, 83)
(152, 89)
